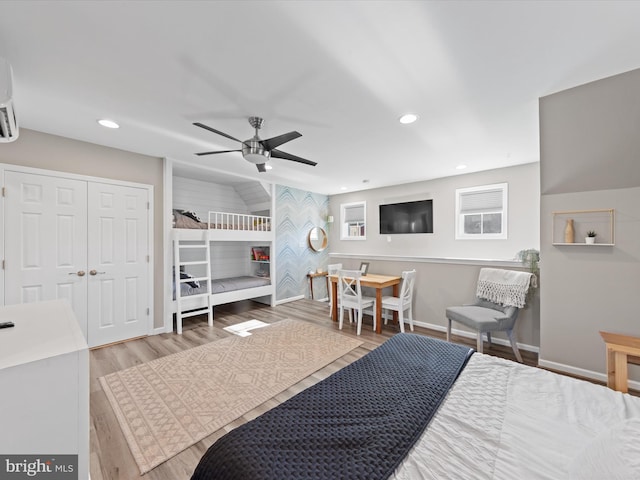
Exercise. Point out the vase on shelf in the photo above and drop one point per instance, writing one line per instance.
(568, 231)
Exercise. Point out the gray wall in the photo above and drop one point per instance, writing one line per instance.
(523, 226)
(441, 284)
(50, 152)
(589, 160)
(442, 279)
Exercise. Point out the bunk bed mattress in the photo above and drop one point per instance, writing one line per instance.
(222, 285)
(503, 420)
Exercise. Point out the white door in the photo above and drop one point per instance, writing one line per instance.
(118, 263)
(81, 240)
(46, 241)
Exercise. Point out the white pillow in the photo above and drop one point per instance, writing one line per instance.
(613, 454)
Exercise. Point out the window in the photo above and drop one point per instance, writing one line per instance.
(353, 218)
(481, 212)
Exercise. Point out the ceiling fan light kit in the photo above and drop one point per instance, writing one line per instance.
(259, 151)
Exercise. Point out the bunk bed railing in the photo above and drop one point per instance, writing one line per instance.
(238, 221)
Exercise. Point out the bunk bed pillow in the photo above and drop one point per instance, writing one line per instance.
(193, 284)
(183, 219)
(184, 275)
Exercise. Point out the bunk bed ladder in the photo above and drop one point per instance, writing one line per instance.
(180, 246)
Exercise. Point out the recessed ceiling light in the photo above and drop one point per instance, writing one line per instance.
(343, 188)
(408, 118)
(461, 167)
(108, 123)
(268, 167)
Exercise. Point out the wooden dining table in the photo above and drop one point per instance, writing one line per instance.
(372, 280)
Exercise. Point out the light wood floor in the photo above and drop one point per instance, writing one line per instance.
(110, 455)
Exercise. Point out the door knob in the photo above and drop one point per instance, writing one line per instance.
(80, 273)
(95, 272)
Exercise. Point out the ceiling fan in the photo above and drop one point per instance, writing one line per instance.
(259, 151)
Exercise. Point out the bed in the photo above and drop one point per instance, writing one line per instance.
(246, 231)
(495, 419)
(221, 286)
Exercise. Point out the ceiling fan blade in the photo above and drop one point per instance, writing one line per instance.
(261, 167)
(202, 125)
(273, 142)
(219, 151)
(288, 156)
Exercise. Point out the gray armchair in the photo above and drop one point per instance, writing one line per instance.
(499, 296)
(486, 317)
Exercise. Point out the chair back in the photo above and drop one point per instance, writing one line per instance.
(349, 289)
(406, 291)
(333, 269)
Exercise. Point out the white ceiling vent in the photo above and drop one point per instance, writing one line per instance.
(8, 122)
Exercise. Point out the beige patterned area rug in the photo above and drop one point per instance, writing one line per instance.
(166, 405)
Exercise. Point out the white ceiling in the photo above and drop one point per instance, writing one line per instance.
(340, 73)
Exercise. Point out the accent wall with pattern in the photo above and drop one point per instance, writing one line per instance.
(297, 212)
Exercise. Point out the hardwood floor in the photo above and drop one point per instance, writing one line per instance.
(110, 455)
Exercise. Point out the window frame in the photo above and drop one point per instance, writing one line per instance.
(345, 226)
(460, 216)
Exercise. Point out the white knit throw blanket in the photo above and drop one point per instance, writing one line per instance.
(505, 287)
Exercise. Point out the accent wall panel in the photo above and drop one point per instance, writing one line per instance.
(297, 212)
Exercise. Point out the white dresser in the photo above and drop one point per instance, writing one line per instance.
(44, 382)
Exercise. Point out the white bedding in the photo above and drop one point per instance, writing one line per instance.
(504, 420)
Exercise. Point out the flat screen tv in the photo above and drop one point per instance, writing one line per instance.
(407, 217)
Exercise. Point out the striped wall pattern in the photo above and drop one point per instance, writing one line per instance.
(297, 212)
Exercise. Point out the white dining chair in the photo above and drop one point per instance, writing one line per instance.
(404, 301)
(332, 269)
(350, 296)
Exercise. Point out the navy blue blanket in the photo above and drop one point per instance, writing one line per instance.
(359, 423)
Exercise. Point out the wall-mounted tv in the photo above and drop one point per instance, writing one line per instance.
(407, 217)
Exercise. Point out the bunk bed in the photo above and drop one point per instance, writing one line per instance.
(199, 293)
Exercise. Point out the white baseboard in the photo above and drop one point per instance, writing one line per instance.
(581, 372)
(466, 334)
(290, 299)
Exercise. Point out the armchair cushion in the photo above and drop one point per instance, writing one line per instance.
(480, 318)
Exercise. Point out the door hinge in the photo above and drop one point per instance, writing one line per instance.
(148, 311)
(3, 264)
(4, 192)
(148, 259)
(148, 206)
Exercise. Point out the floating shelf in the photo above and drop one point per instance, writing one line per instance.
(600, 220)
(586, 244)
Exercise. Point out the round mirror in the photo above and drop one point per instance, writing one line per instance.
(317, 239)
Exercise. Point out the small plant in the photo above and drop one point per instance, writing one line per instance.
(529, 258)
(591, 233)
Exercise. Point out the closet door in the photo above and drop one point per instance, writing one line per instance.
(46, 240)
(118, 263)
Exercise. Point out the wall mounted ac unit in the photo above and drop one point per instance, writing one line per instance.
(8, 122)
